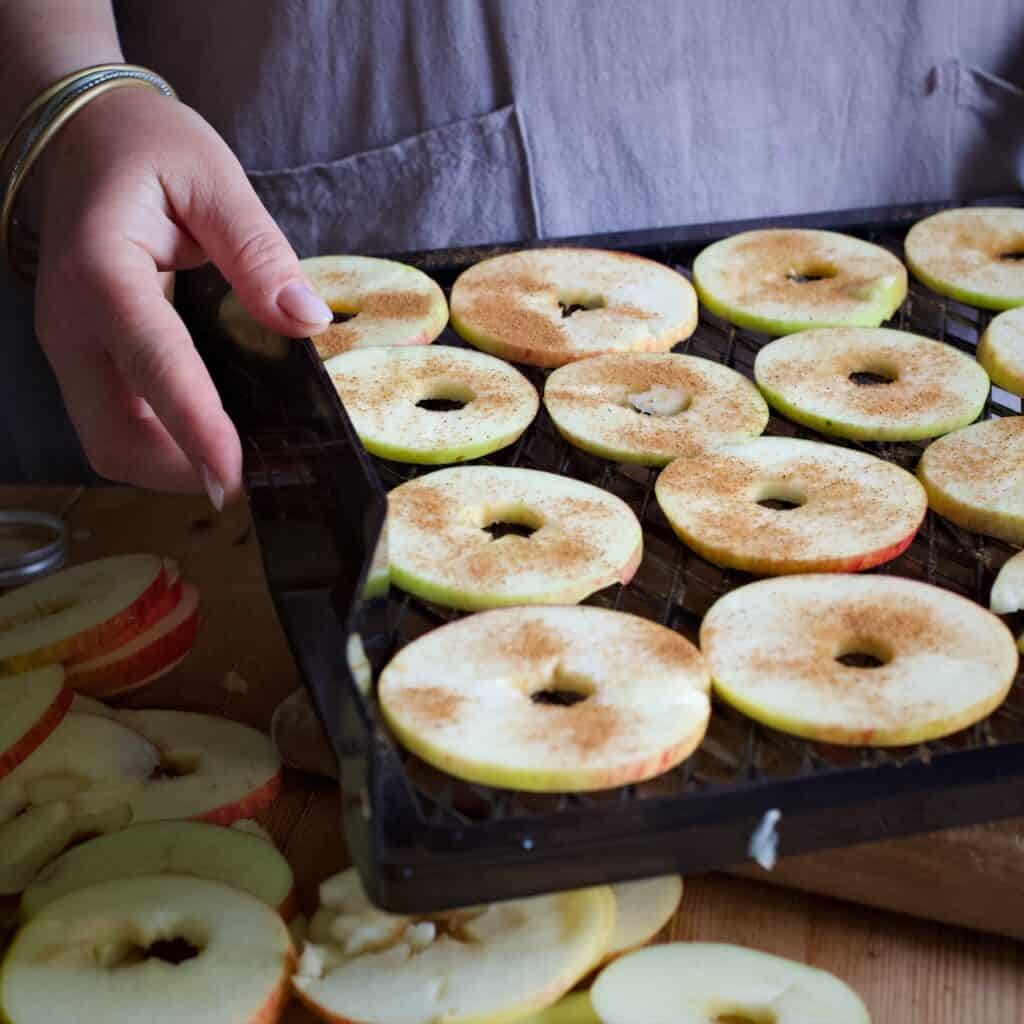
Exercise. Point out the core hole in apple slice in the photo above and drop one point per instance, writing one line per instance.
(510, 520)
(811, 272)
(565, 689)
(446, 396)
(579, 302)
(781, 497)
(869, 378)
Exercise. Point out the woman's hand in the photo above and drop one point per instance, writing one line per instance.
(135, 185)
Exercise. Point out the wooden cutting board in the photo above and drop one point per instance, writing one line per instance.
(906, 970)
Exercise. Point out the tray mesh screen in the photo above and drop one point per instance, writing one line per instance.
(675, 587)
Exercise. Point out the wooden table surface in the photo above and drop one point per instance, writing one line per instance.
(908, 971)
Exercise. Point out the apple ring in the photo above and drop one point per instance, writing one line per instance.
(871, 384)
(492, 962)
(105, 953)
(939, 662)
(1001, 351)
(384, 303)
(650, 407)
(705, 982)
(975, 477)
(387, 394)
(974, 255)
(784, 280)
(846, 510)
(548, 699)
(573, 539)
(550, 307)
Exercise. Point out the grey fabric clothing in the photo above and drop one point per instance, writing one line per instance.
(389, 125)
(400, 124)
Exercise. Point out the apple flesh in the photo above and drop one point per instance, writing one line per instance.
(1007, 594)
(714, 502)
(383, 391)
(971, 255)
(975, 477)
(527, 699)
(228, 855)
(642, 909)
(927, 389)
(584, 538)
(703, 982)
(97, 953)
(77, 782)
(780, 281)
(495, 962)
(133, 664)
(1001, 351)
(31, 707)
(389, 304)
(599, 405)
(75, 613)
(518, 306)
(775, 648)
(214, 770)
(575, 1008)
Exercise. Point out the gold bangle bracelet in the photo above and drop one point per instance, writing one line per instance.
(44, 97)
(45, 132)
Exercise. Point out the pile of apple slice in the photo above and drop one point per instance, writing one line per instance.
(94, 770)
(116, 624)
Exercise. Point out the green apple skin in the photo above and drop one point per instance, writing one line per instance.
(852, 432)
(983, 300)
(885, 300)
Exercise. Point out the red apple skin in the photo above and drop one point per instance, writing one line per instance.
(153, 613)
(278, 1001)
(10, 759)
(248, 807)
(119, 676)
(99, 638)
(865, 561)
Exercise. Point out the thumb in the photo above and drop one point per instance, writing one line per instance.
(225, 216)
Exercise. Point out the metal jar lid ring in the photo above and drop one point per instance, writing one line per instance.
(49, 555)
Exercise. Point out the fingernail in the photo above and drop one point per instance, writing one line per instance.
(303, 304)
(214, 489)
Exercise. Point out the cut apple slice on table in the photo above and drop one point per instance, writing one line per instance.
(211, 769)
(31, 707)
(791, 279)
(575, 1008)
(495, 962)
(62, 791)
(476, 537)
(163, 949)
(780, 505)
(228, 855)
(975, 477)
(974, 255)
(705, 982)
(76, 613)
(871, 384)
(162, 645)
(857, 660)
(524, 698)
(642, 909)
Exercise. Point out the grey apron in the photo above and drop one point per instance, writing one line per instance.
(390, 125)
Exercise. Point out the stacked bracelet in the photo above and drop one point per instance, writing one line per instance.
(44, 117)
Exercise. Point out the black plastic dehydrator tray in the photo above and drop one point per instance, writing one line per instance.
(424, 841)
